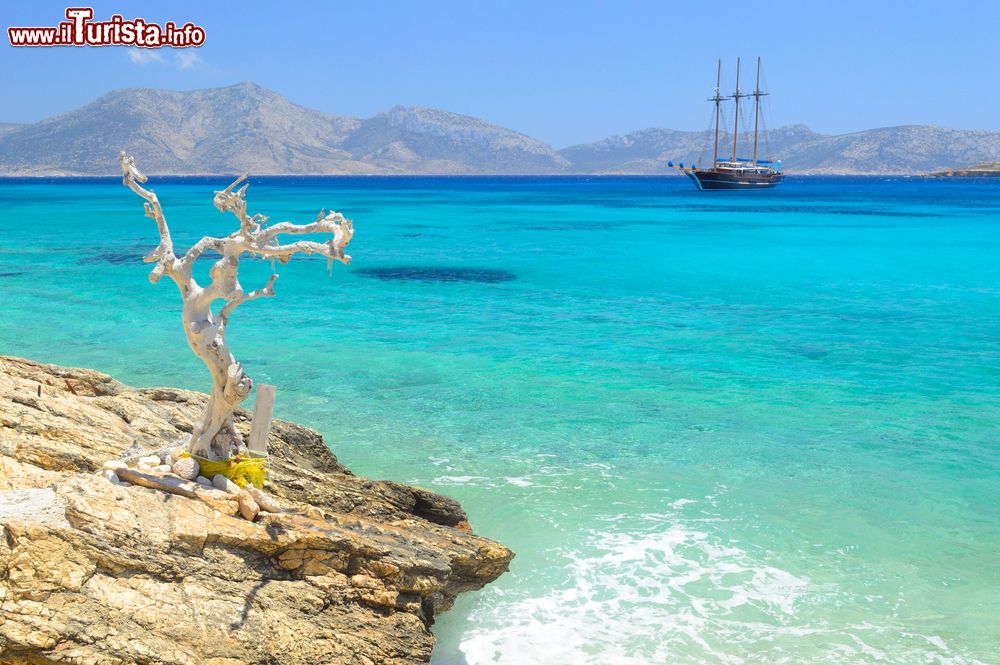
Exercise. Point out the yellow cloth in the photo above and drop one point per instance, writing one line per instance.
(240, 469)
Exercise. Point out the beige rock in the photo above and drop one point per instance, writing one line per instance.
(266, 502)
(150, 461)
(169, 573)
(248, 507)
(114, 465)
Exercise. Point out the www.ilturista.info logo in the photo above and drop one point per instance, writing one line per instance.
(80, 30)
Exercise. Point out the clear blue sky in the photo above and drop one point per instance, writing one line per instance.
(564, 72)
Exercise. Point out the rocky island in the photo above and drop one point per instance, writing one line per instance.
(92, 572)
(981, 170)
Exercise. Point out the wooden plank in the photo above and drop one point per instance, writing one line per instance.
(263, 409)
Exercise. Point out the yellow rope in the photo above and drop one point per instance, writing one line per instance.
(240, 469)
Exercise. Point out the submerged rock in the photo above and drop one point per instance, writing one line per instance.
(352, 570)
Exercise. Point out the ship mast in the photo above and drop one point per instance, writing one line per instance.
(718, 101)
(736, 113)
(757, 94)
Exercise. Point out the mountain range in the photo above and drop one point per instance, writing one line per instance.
(247, 128)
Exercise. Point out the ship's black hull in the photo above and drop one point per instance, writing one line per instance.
(719, 179)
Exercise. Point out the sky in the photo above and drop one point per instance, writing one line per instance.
(565, 72)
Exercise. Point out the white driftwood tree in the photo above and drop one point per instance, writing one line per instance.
(215, 436)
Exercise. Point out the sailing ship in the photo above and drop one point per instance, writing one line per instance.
(734, 172)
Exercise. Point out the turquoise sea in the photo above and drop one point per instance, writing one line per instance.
(715, 427)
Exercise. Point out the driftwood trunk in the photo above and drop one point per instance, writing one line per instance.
(215, 436)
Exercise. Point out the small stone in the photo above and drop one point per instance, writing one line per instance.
(266, 502)
(187, 468)
(225, 484)
(124, 483)
(248, 507)
(149, 460)
(204, 482)
(162, 468)
(110, 476)
(114, 465)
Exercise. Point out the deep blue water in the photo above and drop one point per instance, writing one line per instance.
(715, 427)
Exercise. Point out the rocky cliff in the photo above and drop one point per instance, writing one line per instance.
(350, 571)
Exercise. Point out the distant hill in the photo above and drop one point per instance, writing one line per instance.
(247, 128)
(911, 149)
(648, 150)
(424, 140)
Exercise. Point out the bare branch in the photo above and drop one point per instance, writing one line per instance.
(163, 255)
(324, 224)
(334, 223)
(232, 201)
(266, 292)
(199, 248)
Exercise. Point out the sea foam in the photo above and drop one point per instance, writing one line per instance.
(669, 592)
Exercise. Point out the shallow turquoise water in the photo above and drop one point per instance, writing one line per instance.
(716, 428)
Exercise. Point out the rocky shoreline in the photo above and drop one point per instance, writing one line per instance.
(350, 570)
(982, 170)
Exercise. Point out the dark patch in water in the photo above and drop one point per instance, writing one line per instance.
(12, 274)
(431, 274)
(114, 258)
(810, 352)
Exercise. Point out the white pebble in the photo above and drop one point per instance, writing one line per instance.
(149, 460)
(225, 484)
(115, 464)
(187, 468)
(162, 468)
(110, 476)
